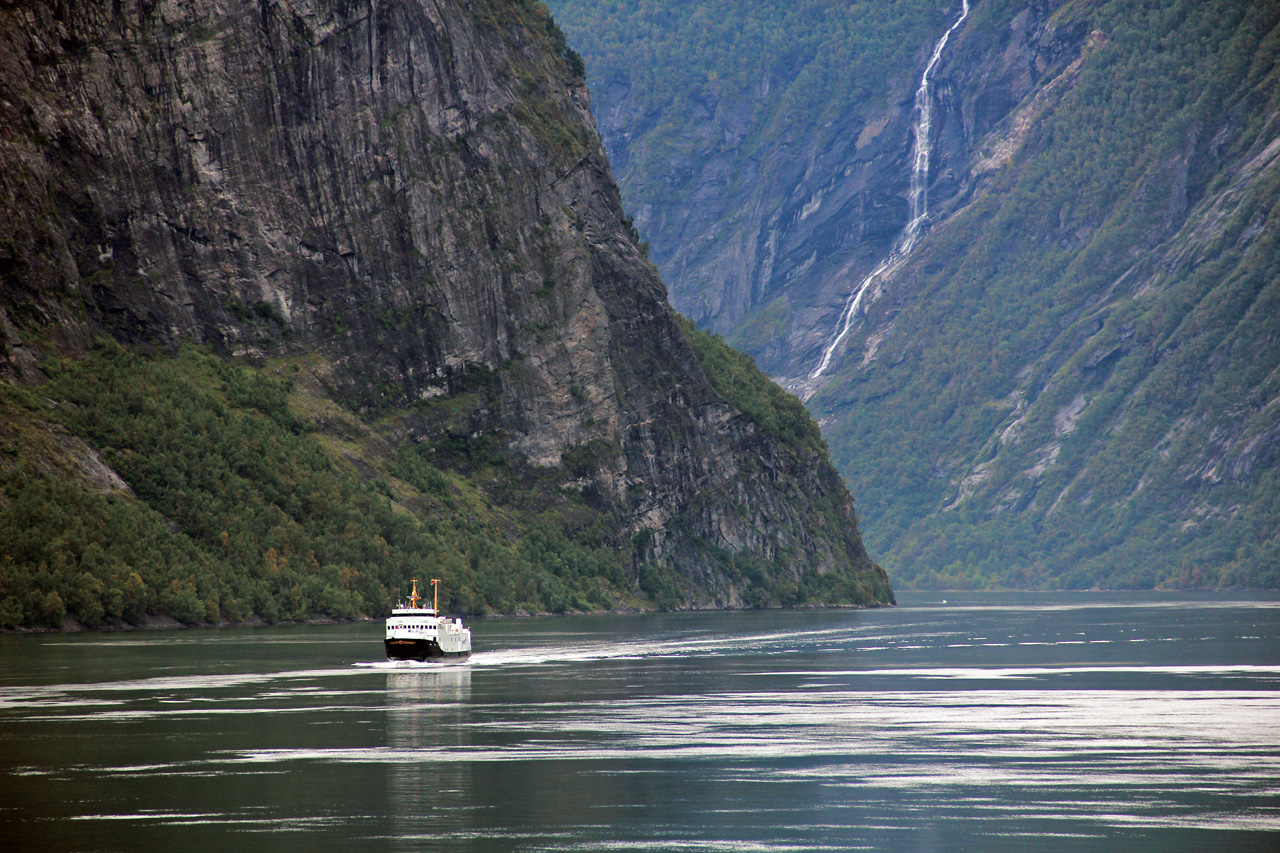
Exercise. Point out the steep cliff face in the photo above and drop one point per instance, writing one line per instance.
(413, 191)
(1069, 379)
(763, 153)
(765, 201)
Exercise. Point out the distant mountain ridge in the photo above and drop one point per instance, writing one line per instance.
(399, 221)
(1071, 381)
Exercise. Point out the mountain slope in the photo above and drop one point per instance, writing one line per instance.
(407, 203)
(1071, 379)
(1094, 318)
(760, 148)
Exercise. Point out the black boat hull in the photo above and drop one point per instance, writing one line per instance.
(418, 650)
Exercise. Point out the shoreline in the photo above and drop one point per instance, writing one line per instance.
(167, 623)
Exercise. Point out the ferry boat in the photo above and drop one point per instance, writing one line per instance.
(418, 633)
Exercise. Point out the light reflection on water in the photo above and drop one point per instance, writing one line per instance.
(994, 723)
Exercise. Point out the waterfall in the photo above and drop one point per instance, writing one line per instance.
(918, 193)
(921, 148)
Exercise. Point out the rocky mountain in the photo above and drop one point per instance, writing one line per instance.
(1069, 379)
(403, 208)
(760, 151)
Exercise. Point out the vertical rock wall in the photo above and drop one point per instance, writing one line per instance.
(415, 192)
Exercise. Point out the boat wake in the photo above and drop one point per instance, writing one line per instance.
(675, 646)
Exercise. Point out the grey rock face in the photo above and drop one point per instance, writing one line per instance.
(1084, 337)
(764, 247)
(415, 191)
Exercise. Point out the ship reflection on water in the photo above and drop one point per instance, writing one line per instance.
(425, 710)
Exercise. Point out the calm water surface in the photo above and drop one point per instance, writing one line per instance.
(983, 722)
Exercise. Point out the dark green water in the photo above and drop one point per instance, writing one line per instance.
(997, 722)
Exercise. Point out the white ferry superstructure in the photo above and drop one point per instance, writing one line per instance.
(418, 633)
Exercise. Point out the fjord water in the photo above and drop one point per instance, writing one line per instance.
(982, 722)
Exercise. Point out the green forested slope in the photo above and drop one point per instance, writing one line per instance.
(1083, 386)
(736, 376)
(135, 486)
(236, 510)
(1073, 381)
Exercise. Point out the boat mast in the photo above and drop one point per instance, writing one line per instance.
(435, 588)
(413, 596)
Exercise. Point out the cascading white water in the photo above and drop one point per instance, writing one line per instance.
(921, 147)
(919, 194)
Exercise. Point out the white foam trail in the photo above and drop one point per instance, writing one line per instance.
(635, 649)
